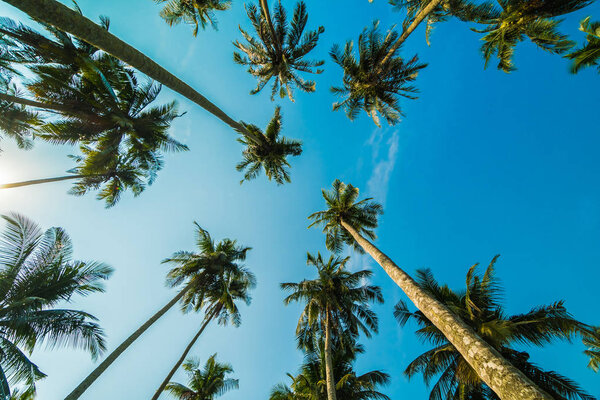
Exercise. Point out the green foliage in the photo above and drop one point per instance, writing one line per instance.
(371, 85)
(280, 57)
(342, 206)
(588, 54)
(37, 273)
(480, 307)
(591, 339)
(16, 121)
(267, 151)
(516, 20)
(206, 383)
(198, 13)
(218, 279)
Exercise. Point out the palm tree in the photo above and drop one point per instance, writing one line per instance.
(268, 151)
(517, 19)
(198, 13)
(374, 82)
(479, 307)
(193, 273)
(279, 50)
(587, 55)
(204, 384)
(348, 221)
(336, 305)
(37, 273)
(56, 14)
(591, 339)
(218, 298)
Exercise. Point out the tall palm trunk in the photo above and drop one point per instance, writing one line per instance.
(38, 181)
(267, 14)
(406, 33)
(32, 103)
(165, 382)
(502, 377)
(54, 13)
(95, 374)
(331, 395)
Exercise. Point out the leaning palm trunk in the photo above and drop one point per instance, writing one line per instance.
(167, 379)
(406, 33)
(95, 374)
(38, 181)
(54, 13)
(502, 377)
(266, 12)
(329, 378)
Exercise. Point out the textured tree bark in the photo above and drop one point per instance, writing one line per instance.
(62, 17)
(165, 382)
(38, 181)
(32, 103)
(405, 34)
(95, 374)
(502, 377)
(330, 379)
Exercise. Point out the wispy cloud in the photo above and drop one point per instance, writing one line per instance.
(384, 153)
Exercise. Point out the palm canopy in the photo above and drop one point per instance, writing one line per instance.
(342, 206)
(336, 295)
(16, 121)
(207, 383)
(214, 273)
(281, 57)
(37, 273)
(591, 339)
(589, 54)
(479, 305)
(268, 151)
(371, 85)
(516, 20)
(309, 384)
(198, 13)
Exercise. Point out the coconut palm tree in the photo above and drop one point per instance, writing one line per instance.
(207, 383)
(337, 304)
(515, 20)
(218, 299)
(37, 273)
(352, 222)
(268, 151)
(374, 82)
(479, 306)
(56, 14)
(308, 384)
(279, 51)
(591, 339)
(198, 13)
(588, 54)
(192, 274)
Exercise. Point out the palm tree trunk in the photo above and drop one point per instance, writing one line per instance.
(165, 382)
(54, 13)
(38, 181)
(502, 377)
(331, 395)
(32, 103)
(267, 13)
(406, 33)
(95, 374)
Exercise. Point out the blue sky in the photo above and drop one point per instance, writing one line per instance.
(483, 163)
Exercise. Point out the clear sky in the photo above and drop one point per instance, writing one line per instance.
(483, 163)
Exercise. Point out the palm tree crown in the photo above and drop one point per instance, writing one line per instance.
(479, 306)
(342, 206)
(587, 55)
(515, 20)
(198, 13)
(591, 340)
(368, 83)
(280, 57)
(37, 273)
(207, 383)
(268, 151)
